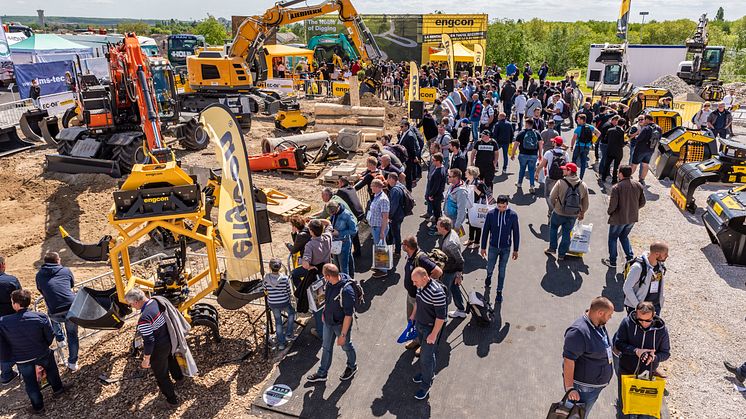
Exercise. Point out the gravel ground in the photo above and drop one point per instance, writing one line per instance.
(703, 308)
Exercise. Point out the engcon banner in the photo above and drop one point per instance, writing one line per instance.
(466, 29)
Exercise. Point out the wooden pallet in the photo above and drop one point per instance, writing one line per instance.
(311, 171)
(283, 205)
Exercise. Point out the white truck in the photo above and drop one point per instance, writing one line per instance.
(616, 69)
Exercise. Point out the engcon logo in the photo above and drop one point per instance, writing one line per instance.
(454, 22)
(156, 199)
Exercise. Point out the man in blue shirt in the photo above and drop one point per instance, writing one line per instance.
(338, 310)
(503, 133)
(8, 284)
(587, 367)
(502, 228)
(24, 340)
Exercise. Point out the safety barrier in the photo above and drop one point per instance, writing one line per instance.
(317, 88)
(10, 113)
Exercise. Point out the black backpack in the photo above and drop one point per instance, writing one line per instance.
(655, 136)
(530, 140)
(571, 205)
(359, 292)
(586, 135)
(408, 203)
(555, 169)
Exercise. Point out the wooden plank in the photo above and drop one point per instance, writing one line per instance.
(311, 170)
(373, 121)
(333, 109)
(354, 91)
(377, 131)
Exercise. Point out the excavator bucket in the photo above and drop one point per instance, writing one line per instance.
(11, 143)
(30, 121)
(680, 146)
(688, 178)
(91, 252)
(98, 309)
(725, 221)
(233, 295)
(50, 128)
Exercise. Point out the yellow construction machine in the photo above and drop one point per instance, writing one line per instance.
(217, 77)
(164, 198)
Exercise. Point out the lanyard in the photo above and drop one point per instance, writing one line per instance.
(604, 336)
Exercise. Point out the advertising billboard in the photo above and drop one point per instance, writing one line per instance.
(465, 29)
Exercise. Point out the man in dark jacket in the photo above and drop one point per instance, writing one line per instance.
(459, 160)
(503, 230)
(641, 343)
(503, 133)
(416, 258)
(409, 140)
(429, 126)
(55, 283)
(614, 138)
(338, 310)
(349, 195)
(450, 244)
(396, 210)
(8, 284)
(435, 186)
(506, 96)
(24, 340)
(627, 197)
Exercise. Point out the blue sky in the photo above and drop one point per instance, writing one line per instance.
(569, 10)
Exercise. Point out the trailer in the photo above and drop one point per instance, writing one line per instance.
(634, 65)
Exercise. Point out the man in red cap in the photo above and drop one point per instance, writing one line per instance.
(553, 161)
(569, 200)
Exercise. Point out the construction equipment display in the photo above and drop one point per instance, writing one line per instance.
(231, 78)
(703, 71)
(162, 196)
(725, 221)
(11, 143)
(728, 166)
(680, 146)
(121, 119)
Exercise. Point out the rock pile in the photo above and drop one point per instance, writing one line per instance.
(674, 84)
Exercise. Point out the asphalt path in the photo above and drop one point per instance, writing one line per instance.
(512, 369)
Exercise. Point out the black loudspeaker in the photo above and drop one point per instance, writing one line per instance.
(416, 109)
(443, 73)
(448, 85)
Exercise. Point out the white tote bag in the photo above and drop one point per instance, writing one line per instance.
(580, 241)
(478, 213)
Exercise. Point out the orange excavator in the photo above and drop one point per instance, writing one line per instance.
(121, 118)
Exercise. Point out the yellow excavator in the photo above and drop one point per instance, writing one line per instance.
(232, 77)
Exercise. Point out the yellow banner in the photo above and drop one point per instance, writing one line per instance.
(467, 29)
(414, 84)
(687, 110)
(236, 222)
(478, 55)
(428, 94)
(340, 88)
(448, 45)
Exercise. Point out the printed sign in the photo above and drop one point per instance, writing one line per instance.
(279, 85)
(51, 77)
(428, 94)
(463, 28)
(277, 395)
(57, 103)
(340, 88)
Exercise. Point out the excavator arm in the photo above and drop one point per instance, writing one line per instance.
(255, 30)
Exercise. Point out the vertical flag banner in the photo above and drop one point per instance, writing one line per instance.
(236, 214)
(448, 45)
(4, 48)
(478, 57)
(414, 84)
(622, 23)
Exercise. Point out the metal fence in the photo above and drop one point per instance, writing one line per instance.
(10, 113)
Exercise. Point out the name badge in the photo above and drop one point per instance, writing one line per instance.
(609, 354)
(654, 287)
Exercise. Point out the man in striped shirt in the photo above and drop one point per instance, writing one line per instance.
(430, 316)
(277, 287)
(156, 343)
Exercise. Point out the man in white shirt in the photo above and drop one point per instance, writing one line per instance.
(519, 101)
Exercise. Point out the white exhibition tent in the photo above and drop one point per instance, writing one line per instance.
(44, 48)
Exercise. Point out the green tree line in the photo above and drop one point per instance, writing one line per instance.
(564, 45)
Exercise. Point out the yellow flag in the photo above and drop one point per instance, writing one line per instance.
(448, 45)
(623, 20)
(236, 213)
(414, 85)
(478, 56)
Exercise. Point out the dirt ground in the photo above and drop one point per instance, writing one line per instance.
(35, 204)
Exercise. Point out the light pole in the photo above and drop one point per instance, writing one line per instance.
(643, 14)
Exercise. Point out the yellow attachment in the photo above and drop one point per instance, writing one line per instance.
(689, 138)
(291, 119)
(667, 119)
(163, 173)
(217, 73)
(678, 198)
